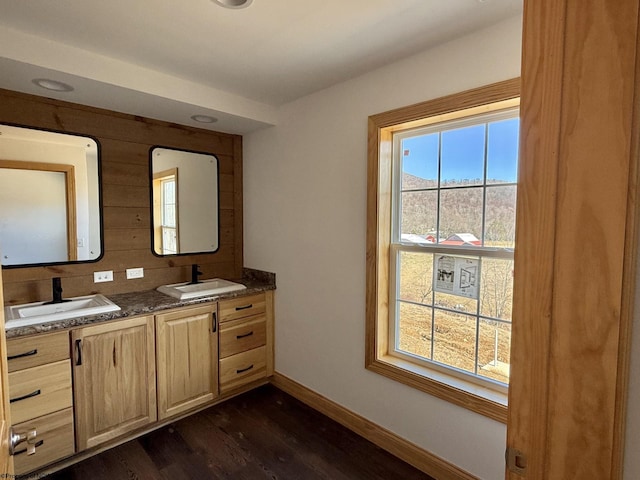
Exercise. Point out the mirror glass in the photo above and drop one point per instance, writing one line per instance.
(185, 202)
(49, 198)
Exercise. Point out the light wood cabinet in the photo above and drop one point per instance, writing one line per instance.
(243, 368)
(240, 335)
(40, 390)
(187, 359)
(54, 440)
(128, 374)
(242, 307)
(41, 397)
(246, 340)
(114, 379)
(30, 351)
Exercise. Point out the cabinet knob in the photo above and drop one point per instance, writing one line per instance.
(15, 439)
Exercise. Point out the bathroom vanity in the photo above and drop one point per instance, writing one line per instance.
(86, 384)
(92, 382)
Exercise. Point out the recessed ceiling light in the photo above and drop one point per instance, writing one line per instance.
(204, 118)
(52, 85)
(233, 3)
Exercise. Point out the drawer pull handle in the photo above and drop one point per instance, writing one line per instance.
(24, 397)
(25, 354)
(37, 444)
(244, 307)
(238, 337)
(242, 370)
(79, 352)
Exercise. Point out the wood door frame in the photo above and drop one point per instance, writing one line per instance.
(577, 238)
(6, 461)
(70, 194)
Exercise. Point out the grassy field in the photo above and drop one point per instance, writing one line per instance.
(447, 328)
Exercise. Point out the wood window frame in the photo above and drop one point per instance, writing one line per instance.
(379, 198)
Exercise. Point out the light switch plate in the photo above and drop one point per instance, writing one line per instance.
(105, 276)
(135, 273)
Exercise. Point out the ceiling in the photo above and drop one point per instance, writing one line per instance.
(170, 60)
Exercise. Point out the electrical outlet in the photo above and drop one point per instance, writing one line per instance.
(135, 273)
(106, 276)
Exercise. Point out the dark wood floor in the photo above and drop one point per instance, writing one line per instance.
(263, 434)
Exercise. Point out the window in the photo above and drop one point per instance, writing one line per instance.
(165, 212)
(441, 240)
(169, 209)
(453, 234)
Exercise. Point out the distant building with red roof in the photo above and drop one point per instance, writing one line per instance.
(460, 239)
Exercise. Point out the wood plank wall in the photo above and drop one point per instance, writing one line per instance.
(125, 141)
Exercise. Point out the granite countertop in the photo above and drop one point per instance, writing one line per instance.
(151, 301)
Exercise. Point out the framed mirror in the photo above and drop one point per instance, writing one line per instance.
(50, 198)
(184, 199)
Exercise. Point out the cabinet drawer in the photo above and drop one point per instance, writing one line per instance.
(243, 368)
(54, 440)
(241, 307)
(241, 335)
(27, 352)
(40, 390)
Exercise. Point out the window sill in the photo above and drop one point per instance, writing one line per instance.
(468, 395)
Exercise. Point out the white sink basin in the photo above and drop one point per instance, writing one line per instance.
(206, 288)
(39, 312)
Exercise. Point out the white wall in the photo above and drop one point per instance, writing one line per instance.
(632, 440)
(87, 228)
(305, 219)
(33, 221)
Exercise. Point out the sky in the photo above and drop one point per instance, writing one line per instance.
(463, 152)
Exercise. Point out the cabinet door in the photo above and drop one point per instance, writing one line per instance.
(114, 373)
(187, 359)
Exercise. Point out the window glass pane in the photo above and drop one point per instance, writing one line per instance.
(455, 340)
(420, 161)
(502, 151)
(463, 156)
(414, 329)
(415, 272)
(496, 288)
(419, 216)
(494, 350)
(169, 188)
(169, 216)
(169, 244)
(500, 217)
(461, 216)
(456, 302)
